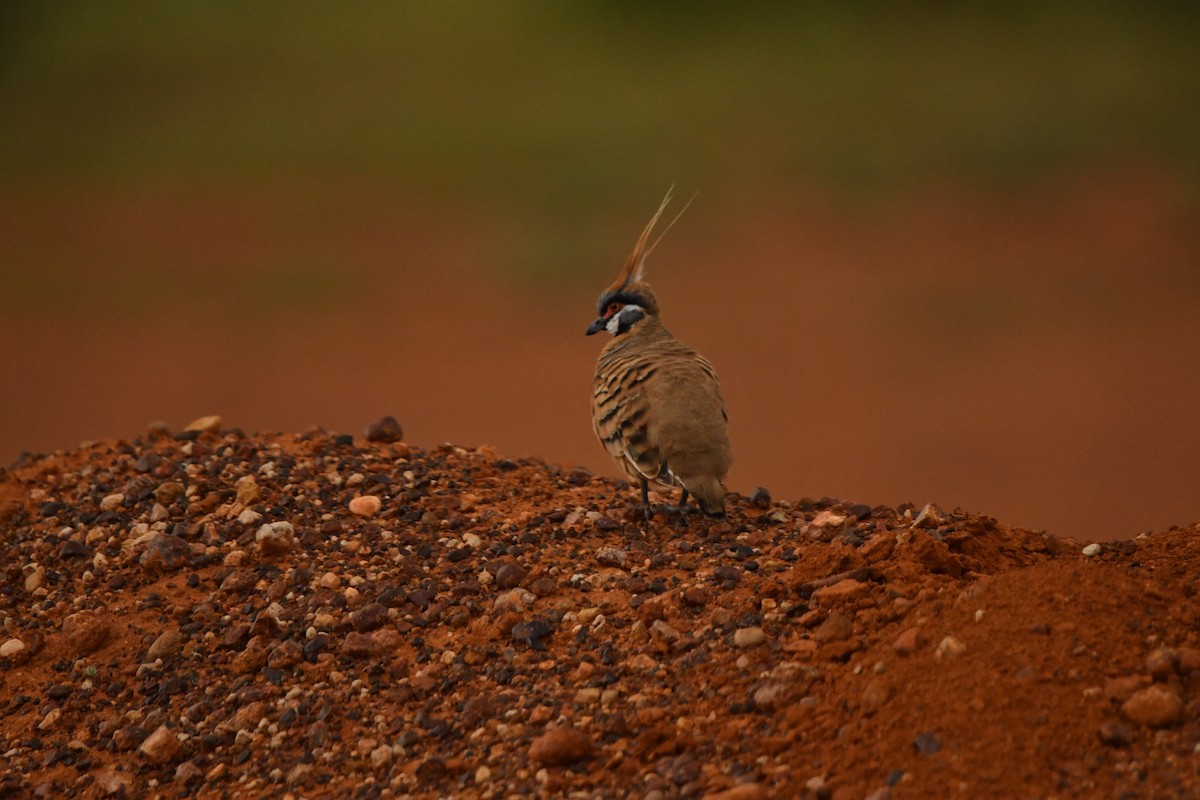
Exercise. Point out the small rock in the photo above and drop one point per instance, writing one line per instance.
(34, 580)
(931, 516)
(561, 746)
(875, 694)
(743, 791)
(769, 696)
(330, 580)
(168, 491)
(1189, 660)
(166, 552)
(1156, 706)
(1115, 734)
(162, 746)
(612, 557)
(1162, 663)
(663, 630)
(381, 756)
(86, 632)
(209, 424)
(482, 775)
(11, 648)
(749, 637)
(695, 597)
(369, 617)
(384, 429)
(187, 773)
(50, 720)
(827, 518)
(166, 645)
(111, 782)
(843, 591)
(249, 517)
(509, 575)
(907, 642)
(359, 645)
(247, 489)
(285, 655)
(927, 743)
(949, 648)
(1092, 549)
(367, 505)
(835, 628)
(275, 539)
(112, 502)
(760, 498)
(532, 633)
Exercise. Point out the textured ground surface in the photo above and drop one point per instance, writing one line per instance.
(500, 628)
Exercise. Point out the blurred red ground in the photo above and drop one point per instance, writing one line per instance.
(1030, 355)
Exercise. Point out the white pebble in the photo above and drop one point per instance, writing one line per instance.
(1092, 549)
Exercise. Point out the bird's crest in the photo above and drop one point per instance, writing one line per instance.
(635, 266)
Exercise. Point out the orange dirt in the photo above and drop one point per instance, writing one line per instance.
(510, 628)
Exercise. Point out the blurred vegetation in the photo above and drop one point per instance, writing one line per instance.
(535, 109)
(579, 97)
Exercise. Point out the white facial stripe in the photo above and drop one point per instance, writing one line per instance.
(614, 322)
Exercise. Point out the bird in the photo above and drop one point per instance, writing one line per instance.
(656, 403)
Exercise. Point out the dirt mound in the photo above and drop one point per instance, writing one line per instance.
(214, 614)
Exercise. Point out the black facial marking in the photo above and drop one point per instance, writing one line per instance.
(619, 296)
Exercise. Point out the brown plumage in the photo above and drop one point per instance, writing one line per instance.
(656, 404)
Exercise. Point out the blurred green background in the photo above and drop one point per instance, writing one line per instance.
(359, 204)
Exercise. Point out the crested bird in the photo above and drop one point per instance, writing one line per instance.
(656, 403)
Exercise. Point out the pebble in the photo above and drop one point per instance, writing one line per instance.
(385, 429)
(769, 696)
(86, 632)
(187, 773)
(835, 628)
(1092, 549)
(381, 756)
(949, 648)
(1156, 706)
(744, 791)
(275, 539)
(907, 642)
(612, 557)
(249, 517)
(827, 518)
(561, 746)
(367, 505)
(247, 489)
(749, 637)
(1115, 734)
(50, 720)
(931, 516)
(483, 775)
(509, 575)
(166, 645)
(927, 743)
(843, 591)
(114, 783)
(663, 630)
(209, 424)
(369, 617)
(166, 552)
(11, 648)
(112, 502)
(1162, 663)
(33, 580)
(161, 746)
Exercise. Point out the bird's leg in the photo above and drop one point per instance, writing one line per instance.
(683, 508)
(646, 499)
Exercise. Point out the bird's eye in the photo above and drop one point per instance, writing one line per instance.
(613, 308)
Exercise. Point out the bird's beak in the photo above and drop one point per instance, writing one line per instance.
(596, 326)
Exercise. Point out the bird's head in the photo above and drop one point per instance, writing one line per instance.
(630, 300)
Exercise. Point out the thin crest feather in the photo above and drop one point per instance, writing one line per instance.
(635, 265)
